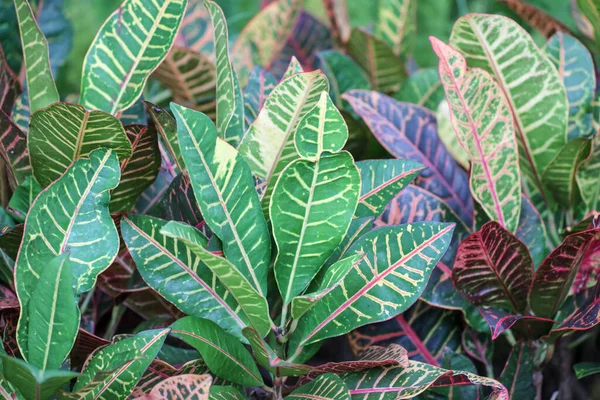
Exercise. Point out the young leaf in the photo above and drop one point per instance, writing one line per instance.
(325, 387)
(493, 268)
(422, 88)
(293, 67)
(535, 92)
(483, 123)
(53, 316)
(381, 181)
(13, 150)
(252, 303)
(260, 85)
(500, 321)
(120, 60)
(40, 83)
(34, 383)
(390, 283)
(69, 215)
(125, 361)
(166, 126)
(63, 132)
(224, 355)
(230, 105)
(183, 387)
(396, 25)
(224, 188)
(10, 86)
(518, 373)
(408, 132)
(176, 274)
(554, 277)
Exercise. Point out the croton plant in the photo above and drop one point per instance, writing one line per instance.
(218, 217)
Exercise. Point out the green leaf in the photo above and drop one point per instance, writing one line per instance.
(22, 198)
(13, 150)
(53, 316)
(381, 182)
(166, 126)
(252, 303)
(343, 74)
(591, 11)
(120, 60)
(325, 387)
(483, 123)
(447, 135)
(225, 393)
(384, 69)
(535, 92)
(230, 106)
(423, 88)
(63, 132)
(586, 369)
(293, 68)
(71, 214)
(587, 177)
(396, 25)
(224, 355)
(518, 373)
(224, 188)
(137, 171)
(576, 69)
(260, 85)
(312, 207)
(34, 383)
(40, 83)
(388, 280)
(127, 359)
(333, 276)
(358, 227)
(177, 274)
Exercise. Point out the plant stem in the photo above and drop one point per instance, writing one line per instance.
(278, 388)
(86, 301)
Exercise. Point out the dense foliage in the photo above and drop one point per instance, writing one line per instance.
(214, 214)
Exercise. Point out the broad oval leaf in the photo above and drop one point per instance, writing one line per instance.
(483, 123)
(408, 132)
(63, 132)
(535, 92)
(493, 268)
(397, 25)
(224, 355)
(325, 387)
(119, 60)
(390, 278)
(224, 188)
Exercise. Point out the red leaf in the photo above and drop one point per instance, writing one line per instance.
(500, 321)
(10, 87)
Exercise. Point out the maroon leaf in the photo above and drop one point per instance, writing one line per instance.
(553, 279)
(538, 19)
(179, 203)
(409, 131)
(480, 347)
(586, 317)
(13, 150)
(10, 87)
(149, 305)
(493, 268)
(590, 267)
(500, 321)
(121, 277)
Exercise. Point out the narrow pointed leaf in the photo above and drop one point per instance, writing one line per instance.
(10, 86)
(252, 303)
(500, 321)
(390, 283)
(165, 125)
(293, 67)
(325, 387)
(126, 360)
(224, 188)
(493, 268)
(70, 214)
(381, 181)
(396, 25)
(483, 123)
(40, 83)
(191, 283)
(63, 132)
(585, 369)
(182, 387)
(260, 85)
(553, 279)
(119, 60)
(224, 355)
(535, 92)
(13, 150)
(422, 88)
(54, 316)
(409, 132)
(583, 319)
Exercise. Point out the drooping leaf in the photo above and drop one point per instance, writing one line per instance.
(224, 355)
(252, 303)
(40, 83)
(69, 215)
(119, 60)
(325, 387)
(534, 90)
(483, 123)
(260, 85)
(191, 283)
(224, 188)
(585, 316)
(396, 25)
(422, 88)
(493, 268)
(518, 372)
(553, 279)
(500, 321)
(22, 198)
(381, 181)
(63, 132)
(391, 276)
(408, 132)
(34, 383)
(13, 150)
(384, 69)
(343, 74)
(137, 171)
(10, 86)
(53, 316)
(543, 22)
(182, 387)
(125, 361)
